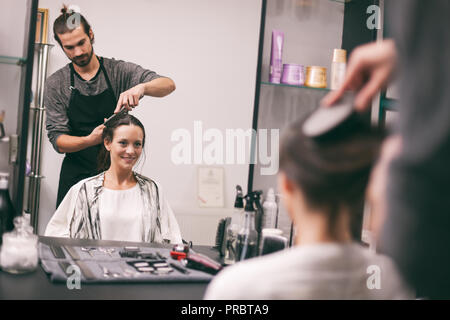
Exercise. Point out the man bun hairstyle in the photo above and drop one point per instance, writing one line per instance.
(65, 23)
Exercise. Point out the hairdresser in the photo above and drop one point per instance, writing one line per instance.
(79, 96)
(417, 222)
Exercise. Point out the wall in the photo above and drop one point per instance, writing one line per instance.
(209, 48)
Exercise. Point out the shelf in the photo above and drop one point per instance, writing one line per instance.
(37, 45)
(389, 104)
(19, 61)
(341, 1)
(292, 86)
(13, 60)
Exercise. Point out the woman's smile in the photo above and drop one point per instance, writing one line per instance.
(129, 159)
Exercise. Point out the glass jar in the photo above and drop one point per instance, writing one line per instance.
(19, 251)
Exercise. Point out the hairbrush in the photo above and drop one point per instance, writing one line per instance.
(115, 116)
(221, 236)
(327, 119)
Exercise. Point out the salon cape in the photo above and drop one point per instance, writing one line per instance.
(78, 214)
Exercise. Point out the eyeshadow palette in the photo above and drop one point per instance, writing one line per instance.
(156, 267)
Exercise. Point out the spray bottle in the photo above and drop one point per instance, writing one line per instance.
(247, 240)
(234, 227)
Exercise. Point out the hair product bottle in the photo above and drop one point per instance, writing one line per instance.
(276, 54)
(316, 77)
(338, 67)
(270, 210)
(234, 227)
(247, 240)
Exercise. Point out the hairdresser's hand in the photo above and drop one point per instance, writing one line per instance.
(130, 98)
(95, 137)
(370, 67)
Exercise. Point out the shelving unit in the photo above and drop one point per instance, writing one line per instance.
(312, 30)
(18, 151)
(38, 113)
(292, 86)
(386, 104)
(13, 60)
(26, 64)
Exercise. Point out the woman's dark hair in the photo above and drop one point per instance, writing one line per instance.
(332, 173)
(104, 158)
(61, 26)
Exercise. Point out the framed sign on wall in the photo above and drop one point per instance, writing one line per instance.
(211, 187)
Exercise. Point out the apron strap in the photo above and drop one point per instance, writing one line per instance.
(72, 84)
(72, 78)
(106, 76)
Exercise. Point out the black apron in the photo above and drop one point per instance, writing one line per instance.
(84, 113)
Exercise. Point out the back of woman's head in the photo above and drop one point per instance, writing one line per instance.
(331, 173)
(104, 159)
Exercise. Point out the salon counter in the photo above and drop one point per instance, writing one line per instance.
(36, 285)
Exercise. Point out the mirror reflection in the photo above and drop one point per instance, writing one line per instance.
(171, 66)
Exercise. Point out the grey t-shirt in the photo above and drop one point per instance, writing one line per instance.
(122, 75)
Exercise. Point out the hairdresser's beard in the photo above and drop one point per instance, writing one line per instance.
(84, 59)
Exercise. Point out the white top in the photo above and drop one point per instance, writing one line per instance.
(121, 214)
(321, 271)
(59, 224)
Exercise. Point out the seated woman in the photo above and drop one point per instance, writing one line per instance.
(321, 181)
(117, 204)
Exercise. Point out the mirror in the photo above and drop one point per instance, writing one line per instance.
(210, 50)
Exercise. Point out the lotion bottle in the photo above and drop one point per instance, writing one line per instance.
(270, 210)
(338, 67)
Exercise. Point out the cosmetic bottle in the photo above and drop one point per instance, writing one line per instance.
(270, 210)
(259, 213)
(276, 56)
(247, 240)
(338, 67)
(7, 211)
(293, 74)
(316, 77)
(234, 227)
